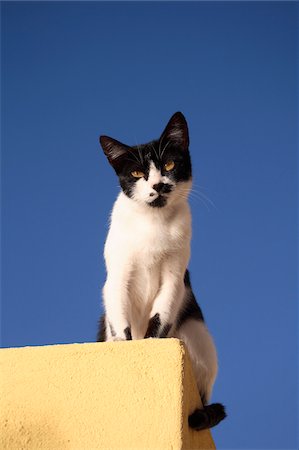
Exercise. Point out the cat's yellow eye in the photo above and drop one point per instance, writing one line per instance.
(137, 174)
(169, 165)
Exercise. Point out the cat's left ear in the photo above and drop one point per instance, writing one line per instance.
(176, 132)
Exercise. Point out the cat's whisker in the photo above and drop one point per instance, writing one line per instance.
(200, 186)
(164, 148)
(140, 154)
(199, 200)
(160, 143)
(133, 160)
(153, 147)
(131, 152)
(194, 196)
(204, 196)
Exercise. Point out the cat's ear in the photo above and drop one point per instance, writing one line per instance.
(176, 132)
(114, 150)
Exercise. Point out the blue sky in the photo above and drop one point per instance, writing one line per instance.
(72, 71)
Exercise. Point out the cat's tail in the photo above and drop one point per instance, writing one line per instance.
(207, 417)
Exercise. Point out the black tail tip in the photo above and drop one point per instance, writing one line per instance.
(207, 417)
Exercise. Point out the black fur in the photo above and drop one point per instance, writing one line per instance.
(207, 417)
(128, 334)
(153, 326)
(162, 188)
(190, 308)
(101, 335)
(112, 331)
(165, 330)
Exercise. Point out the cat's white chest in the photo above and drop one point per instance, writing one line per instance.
(139, 243)
(147, 236)
(152, 240)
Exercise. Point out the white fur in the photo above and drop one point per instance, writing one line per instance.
(202, 352)
(146, 253)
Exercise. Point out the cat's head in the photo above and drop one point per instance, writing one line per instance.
(154, 174)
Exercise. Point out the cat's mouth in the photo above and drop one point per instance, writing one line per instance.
(159, 202)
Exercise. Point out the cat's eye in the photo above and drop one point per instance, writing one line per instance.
(169, 165)
(137, 174)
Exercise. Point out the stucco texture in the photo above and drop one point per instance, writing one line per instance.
(118, 395)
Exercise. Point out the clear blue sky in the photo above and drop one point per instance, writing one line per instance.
(73, 71)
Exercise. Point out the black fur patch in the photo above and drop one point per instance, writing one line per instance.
(101, 335)
(190, 308)
(207, 417)
(162, 188)
(128, 334)
(159, 202)
(153, 326)
(165, 330)
(112, 331)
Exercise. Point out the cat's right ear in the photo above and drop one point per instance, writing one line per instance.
(176, 131)
(114, 150)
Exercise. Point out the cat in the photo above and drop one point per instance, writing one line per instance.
(148, 293)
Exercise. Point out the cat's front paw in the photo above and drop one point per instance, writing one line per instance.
(124, 335)
(155, 329)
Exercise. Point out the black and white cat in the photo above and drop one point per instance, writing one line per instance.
(148, 291)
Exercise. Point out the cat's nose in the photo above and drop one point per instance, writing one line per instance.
(158, 187)
(162, 188)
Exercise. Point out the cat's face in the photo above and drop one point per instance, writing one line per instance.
(154, 174)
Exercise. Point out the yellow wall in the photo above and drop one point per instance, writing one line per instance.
(121, 395)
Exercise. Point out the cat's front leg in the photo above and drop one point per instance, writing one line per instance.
(116, 306)
(169, 299)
